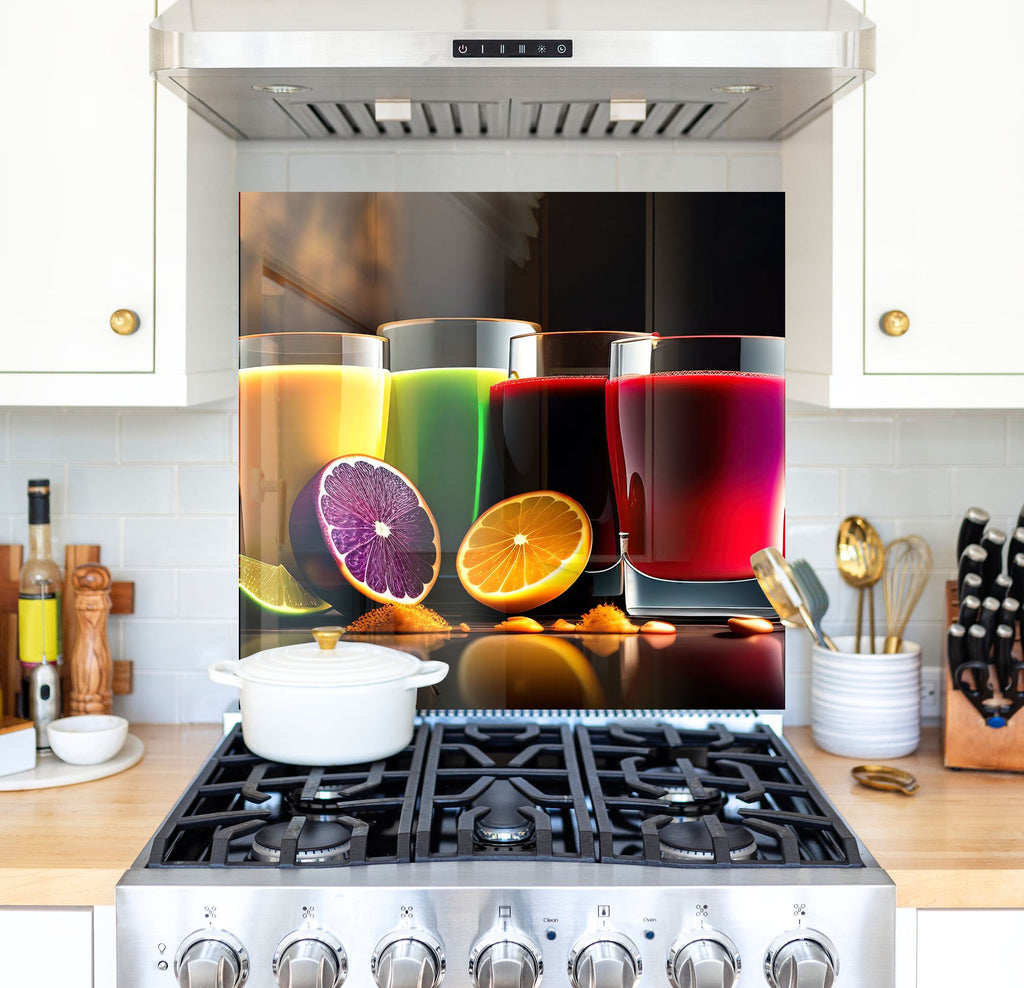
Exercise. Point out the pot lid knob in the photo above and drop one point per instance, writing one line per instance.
(327, 636)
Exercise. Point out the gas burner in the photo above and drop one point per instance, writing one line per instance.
(691, 841)
(682, 801)
(502, 823)
(318, 842)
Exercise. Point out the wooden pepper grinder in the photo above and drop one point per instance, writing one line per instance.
(92, 670)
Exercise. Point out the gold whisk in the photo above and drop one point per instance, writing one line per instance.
(908, 563)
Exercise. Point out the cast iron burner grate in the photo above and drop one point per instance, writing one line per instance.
(237, 794)
(638, 792)
(644, 778)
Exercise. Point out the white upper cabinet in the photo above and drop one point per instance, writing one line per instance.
(102, 212)
(922, 168)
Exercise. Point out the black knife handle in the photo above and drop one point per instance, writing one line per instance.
(993, 542)
(956, 650)
(970, 587)
(971, 528)
(970, 608)
(1017, 576)
(988, 618)
(977, 660)
(972, 560)
(1020, 518)
(1002, 660)
(1016, 544)
(1009, 612)
(1000, 586)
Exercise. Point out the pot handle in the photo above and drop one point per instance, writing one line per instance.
(224, 672)
(430, 673)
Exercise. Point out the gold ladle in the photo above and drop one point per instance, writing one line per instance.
(860, 558)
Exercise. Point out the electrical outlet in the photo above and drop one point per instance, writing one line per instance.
(931, 694)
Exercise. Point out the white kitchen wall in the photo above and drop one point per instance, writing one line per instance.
(158, 489)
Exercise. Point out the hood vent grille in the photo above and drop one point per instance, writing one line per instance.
(579, 119)
(430, 119)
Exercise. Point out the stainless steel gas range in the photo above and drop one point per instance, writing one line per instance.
(592, 852)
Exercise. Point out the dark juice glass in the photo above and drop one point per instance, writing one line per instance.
(697, 446)
(550, 425)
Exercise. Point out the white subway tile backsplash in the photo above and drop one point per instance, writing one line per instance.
(836, 439)
(154, 699)
(209, 593)
(812, 491)
(156, 593)
(85, 529)
(943, 440)
(208, 490)
(14, 478)
(157, 645)
(122, 490)
(999, 490)
(897, 492)
(202, 700)
(180, 542)
(674, 172)
(174, 437)
(1015, 439)
(79, 437)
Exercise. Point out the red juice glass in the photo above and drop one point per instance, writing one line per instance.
(550, 426)
(696, 432)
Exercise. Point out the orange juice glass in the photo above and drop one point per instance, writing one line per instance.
(303, 399)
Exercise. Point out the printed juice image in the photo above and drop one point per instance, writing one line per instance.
(439, 437)
(293, 419)
(552, 437)
(698, 467)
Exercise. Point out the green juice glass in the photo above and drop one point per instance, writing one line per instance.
(439, 432)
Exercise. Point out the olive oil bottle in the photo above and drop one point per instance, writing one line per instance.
(39, 610)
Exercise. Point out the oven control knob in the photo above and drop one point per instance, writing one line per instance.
(408, 959)
(505, 962)
(310, 959)
(801, 959)
(606, 960)
(211, 959)
(706, 960)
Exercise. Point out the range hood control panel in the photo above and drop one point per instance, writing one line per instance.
(512, 48)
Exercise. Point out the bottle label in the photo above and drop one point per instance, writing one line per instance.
(39, 632)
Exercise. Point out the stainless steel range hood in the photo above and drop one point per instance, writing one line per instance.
(494, 69)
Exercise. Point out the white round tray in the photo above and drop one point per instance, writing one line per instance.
(50, 771)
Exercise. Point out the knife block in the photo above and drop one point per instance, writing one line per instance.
(968, 742)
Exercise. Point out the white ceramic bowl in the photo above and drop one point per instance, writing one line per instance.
(88, 739)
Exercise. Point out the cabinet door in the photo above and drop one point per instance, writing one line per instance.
(76, 201)
(944, 203)
(46, 948)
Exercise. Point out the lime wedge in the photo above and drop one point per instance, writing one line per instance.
(275, 589)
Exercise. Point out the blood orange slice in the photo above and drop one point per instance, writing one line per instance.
(376, 527)
(525, 551)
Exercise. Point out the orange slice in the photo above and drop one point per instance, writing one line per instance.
(525, 551)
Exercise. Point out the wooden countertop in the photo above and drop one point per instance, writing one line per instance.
(57, 846)
(956, 843)
(959, 842)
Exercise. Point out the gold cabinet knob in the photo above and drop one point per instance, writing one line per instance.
(895, 323)
(124, 322)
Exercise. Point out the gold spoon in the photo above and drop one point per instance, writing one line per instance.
(860, 558)
(778, 584)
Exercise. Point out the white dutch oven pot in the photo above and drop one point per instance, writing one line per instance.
(328, 703)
